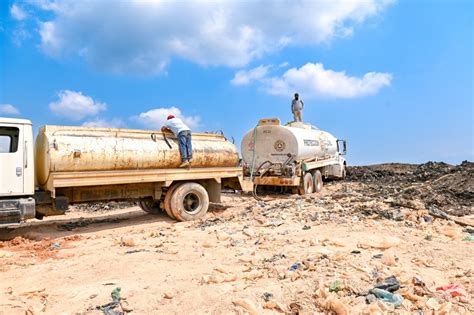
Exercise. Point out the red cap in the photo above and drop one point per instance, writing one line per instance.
(170, 117)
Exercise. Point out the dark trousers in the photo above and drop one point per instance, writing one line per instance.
(185, 145)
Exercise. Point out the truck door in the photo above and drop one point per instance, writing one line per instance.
(11, 160)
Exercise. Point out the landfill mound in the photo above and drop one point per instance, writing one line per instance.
(335, 252)
(437, 185)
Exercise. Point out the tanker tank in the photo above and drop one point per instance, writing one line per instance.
(73, 149)
(283, 144)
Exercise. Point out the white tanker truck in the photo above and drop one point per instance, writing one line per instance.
(295, 155)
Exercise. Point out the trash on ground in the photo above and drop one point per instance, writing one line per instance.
(336, 286)
(387, 297)
(453, 289)
(295, 266)
(390, 284)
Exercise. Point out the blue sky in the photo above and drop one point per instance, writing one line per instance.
(393, 78)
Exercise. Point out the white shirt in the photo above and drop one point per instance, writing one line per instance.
(176, 125)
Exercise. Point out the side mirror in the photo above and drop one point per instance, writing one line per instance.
(342, 147)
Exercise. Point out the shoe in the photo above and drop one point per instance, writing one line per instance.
(190, 160)
(184, 164)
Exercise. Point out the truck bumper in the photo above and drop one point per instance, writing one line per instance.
(14, 211)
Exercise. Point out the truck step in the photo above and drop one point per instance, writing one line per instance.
(10, 216)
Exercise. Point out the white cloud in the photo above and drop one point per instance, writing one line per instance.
(143, 36)
(156, 118)
(8, 109)
(18, 13)
(312, 80)
(104, 123)
(75, 105)
(244, 77)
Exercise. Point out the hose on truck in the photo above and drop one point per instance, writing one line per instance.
(252, 169)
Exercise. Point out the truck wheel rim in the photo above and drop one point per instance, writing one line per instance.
(191, 203)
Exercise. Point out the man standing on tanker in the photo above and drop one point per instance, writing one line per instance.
(183, 133)
(297, 108)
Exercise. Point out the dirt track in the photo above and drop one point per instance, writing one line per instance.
(281, 255)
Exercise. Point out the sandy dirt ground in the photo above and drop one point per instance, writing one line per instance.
(318, 254)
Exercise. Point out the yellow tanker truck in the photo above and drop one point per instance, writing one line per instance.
(68, 165)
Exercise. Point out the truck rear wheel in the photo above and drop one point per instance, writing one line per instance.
(190, 201)
(168, 196)
(150, 206)
(308, 185)
(318, 181)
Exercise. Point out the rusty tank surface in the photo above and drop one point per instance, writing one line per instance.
(74, 149)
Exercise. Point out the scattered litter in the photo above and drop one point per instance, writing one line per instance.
(295, 266)
(306, 227)
(55, 246)
(387, 297)
(274, 258)
(336, 286)
(133, 251)
(85, 222)
(453, 289)
(390, 284)
(116, 294)
(469, 238)
(267, 296)
(210, 222)
(109, 283)
(109, 308)
(356, 252)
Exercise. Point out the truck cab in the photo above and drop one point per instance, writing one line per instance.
(17, 174)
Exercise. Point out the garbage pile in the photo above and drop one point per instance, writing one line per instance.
(436, 185)
(343, 252)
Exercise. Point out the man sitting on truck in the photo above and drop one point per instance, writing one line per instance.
(183, 133)
(297, 108)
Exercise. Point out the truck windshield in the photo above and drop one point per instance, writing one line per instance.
(9, 139)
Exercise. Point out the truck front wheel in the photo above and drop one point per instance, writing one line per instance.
(189, 201)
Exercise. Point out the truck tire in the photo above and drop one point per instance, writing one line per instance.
(190, 201)
(168, 196)
(344, 173)
(150, 206)
(308, 185)
(318, 181)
